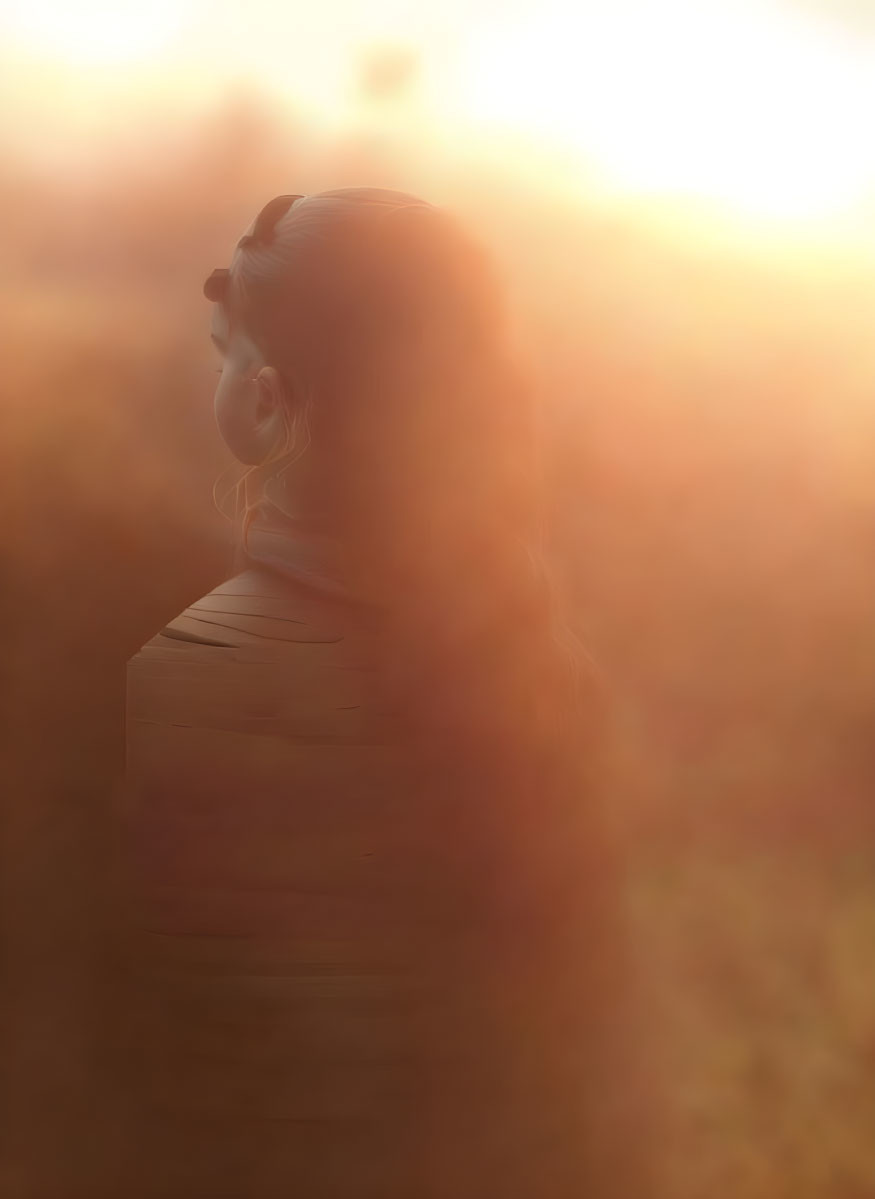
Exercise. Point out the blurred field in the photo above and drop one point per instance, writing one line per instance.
(712, 416)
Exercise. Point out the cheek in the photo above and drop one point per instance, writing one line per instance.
(231, 404)
(222, 399)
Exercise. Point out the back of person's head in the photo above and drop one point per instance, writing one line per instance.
(375, 372)
(414, 437)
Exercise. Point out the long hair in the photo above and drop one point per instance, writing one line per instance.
(416, 442)
(423, 459)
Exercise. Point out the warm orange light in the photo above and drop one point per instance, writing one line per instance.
(742, 103)
(756, 106)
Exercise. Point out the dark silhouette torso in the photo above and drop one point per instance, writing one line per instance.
(272, 960)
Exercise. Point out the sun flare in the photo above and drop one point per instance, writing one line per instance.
(758, 107)
(748, 106)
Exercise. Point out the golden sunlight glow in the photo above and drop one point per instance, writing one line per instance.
(745, 104)
(758, 107)
(94, 31)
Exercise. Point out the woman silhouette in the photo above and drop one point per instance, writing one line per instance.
(374, 953)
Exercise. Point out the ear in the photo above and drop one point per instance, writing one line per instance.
(271, 411)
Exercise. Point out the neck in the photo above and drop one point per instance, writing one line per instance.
(285, 532)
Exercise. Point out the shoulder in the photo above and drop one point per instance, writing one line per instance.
(258, 762)
(255, 607)
(254, 655)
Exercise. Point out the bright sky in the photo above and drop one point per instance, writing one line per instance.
(763, 106)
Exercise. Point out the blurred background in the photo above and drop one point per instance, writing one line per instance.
(681, 195)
